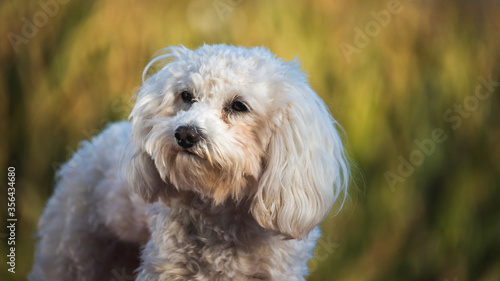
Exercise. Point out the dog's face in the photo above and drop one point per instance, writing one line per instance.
(232, 123)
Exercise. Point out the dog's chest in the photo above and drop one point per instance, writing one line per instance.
(205, 247)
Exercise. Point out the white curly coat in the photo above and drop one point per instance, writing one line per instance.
(243, 203)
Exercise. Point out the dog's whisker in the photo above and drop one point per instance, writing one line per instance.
(209, 159)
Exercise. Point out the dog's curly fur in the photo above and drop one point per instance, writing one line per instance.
(241, 202)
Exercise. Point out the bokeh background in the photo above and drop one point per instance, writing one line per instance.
(68, 68)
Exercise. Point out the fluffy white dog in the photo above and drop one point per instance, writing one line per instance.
(241, 156)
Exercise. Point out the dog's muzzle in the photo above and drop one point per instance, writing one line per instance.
(187, 136)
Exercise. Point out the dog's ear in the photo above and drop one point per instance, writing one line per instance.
(305, 170)
(143, 176)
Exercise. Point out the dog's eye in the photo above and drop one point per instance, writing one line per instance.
(187, 97)
(239, 106)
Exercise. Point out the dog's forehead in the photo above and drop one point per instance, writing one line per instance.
(219, 74)
(222, 66)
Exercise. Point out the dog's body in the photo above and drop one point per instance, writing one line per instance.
(241, 157)
(83, 237)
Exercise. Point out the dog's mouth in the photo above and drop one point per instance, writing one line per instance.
(201, 155)
(193, 153)
(190, 153)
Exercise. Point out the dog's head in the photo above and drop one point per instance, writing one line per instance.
(232, 123)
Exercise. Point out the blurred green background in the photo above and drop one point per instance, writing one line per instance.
(427, 209)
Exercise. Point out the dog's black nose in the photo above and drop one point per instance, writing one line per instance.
(186, 136)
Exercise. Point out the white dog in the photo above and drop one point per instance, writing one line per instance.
(242, 156)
